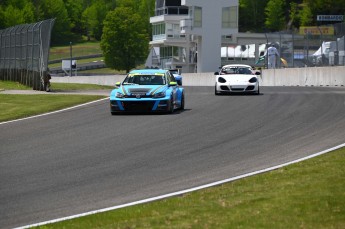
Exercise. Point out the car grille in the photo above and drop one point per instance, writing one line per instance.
(138, 95)
(138, 105)
(237, 89)
(138, 90)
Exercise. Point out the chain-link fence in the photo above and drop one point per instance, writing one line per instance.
(24, 53)
(312, 46)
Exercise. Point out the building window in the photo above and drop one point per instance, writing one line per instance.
(158, 31)
(229, 17)
(168, 52)
(197, 17)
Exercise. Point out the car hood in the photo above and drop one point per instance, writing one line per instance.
(237, 78)
(141, 89)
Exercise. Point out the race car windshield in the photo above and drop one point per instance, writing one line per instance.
(236, 70)
(145, 80)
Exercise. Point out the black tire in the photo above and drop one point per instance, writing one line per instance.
(215, 90)
(182, 102)
(171, 106)
(258, 93)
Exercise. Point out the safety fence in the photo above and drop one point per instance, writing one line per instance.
(24, 53)
(311, 46)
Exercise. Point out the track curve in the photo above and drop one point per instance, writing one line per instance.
(85, 159)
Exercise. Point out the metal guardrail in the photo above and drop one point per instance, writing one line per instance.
(76, 58)
(84, 67)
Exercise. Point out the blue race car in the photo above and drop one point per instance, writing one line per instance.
(147, 90)
(177, 76)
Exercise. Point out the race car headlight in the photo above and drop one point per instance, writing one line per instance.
(159, 95)
(221, 80)
(119, 95)
(253, 80)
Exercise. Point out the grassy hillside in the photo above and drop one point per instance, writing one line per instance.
(82, 49)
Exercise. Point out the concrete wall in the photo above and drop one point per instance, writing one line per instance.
(316, 76)
(100, 80)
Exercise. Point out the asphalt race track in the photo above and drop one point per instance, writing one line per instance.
(85, 159)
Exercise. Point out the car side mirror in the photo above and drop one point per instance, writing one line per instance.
(257, 73)
(216, 73)
(172, 84)
(117, 84)
(179, 82)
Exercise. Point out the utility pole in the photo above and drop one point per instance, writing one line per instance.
(70, 45)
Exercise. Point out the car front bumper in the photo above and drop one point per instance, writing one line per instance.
(139, 105)
(244, 88)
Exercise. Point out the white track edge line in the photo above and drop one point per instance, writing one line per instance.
(182, 191)
(53, 112)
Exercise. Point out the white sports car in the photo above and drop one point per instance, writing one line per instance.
(236, 78)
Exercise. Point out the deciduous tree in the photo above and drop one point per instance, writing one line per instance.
(125, 39)
(275, 15)
(252, 15)
(16, 12)
(62, 28)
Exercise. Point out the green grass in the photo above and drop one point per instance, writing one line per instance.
(81, 61)
(21, 106)
(12, 105)
(75, 86)
(81, 49)
(9, 85)
(310, 194)
(104, 71)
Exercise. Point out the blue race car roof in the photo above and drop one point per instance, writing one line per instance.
(148, 71)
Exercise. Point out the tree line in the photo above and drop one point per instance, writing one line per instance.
(124, 29)
(278, 15)
(77, 19)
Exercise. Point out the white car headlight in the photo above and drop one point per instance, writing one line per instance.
(159, 95)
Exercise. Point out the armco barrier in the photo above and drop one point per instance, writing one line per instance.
(315, 76)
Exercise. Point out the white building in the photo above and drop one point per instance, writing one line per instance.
(189, 34)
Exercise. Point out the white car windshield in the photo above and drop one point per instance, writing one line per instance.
(145, 79)
(236, 70)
